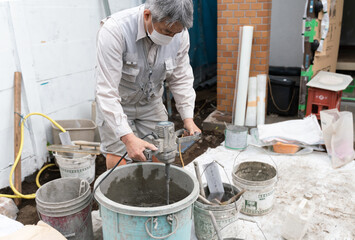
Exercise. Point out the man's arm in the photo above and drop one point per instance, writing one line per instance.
(181, 85)
(110, 45)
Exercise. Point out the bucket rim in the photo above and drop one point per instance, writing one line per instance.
(147, 211)
(206, 207)
(85, 157)
(84, 195)
(65, 208)
(264, 182)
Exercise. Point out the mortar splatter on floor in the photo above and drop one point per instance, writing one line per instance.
(333, 193)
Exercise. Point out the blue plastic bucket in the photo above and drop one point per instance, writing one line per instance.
(123, 219)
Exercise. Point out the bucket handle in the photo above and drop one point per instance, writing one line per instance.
(152, 219)
(274, 164)
(225, 172)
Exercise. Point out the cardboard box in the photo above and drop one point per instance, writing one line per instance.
(327, 59)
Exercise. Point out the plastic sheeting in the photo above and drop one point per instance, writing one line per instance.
(305, 131)
(203, 40)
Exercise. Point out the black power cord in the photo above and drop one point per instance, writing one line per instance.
(118, 163)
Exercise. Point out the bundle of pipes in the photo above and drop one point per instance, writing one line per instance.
(249, 112)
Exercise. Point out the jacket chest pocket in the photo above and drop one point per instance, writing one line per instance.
(130, 72)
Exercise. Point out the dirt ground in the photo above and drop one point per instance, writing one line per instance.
(205, 104)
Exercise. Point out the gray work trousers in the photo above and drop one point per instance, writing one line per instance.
(142, 120)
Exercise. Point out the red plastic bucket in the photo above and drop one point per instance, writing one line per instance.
(65, 204)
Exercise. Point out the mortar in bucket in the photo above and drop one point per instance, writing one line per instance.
(224, 214)
(236, 137)
(76, 165)
(258, 179)
(132, 202)
(65, 204)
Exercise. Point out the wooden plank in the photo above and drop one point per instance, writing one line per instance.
(17, 131)
(73, 149)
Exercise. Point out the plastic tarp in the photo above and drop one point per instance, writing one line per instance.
(305, 131)
(203, 36)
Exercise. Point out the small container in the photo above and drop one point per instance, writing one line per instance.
(236, 137)
(298, 218)
(79, 129)
(285, 148)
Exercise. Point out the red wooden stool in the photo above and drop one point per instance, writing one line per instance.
(320, 99)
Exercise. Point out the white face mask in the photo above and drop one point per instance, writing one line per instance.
(158, 38)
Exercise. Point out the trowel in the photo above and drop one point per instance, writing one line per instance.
(214, 182)
(66, 141)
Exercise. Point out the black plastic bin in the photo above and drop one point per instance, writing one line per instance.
(284, 90)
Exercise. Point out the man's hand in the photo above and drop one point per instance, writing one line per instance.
(190, 126)
(135, 146)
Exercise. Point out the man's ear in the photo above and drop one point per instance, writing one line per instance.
(146, 14)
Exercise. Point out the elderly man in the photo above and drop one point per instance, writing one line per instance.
(137, 49)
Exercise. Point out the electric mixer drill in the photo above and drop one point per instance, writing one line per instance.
(167, 141)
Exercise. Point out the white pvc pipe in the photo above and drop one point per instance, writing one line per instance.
(261, 86)
(246, 39)
(250, 120)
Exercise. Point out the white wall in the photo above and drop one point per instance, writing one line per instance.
(52, 42)
(286, 30)
(118, 5)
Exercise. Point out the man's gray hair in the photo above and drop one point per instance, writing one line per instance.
(172, 11)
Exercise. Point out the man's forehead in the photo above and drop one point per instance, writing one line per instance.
(175, 27)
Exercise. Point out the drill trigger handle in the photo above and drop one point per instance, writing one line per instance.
(148, 154)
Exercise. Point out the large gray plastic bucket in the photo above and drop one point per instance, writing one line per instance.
(224, 215)
(259, 180)
(129, 185)
(60, 205)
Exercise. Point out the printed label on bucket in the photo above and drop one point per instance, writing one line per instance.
(256, 203)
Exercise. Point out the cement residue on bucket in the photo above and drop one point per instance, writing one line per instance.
(236, 137)
(255, 171)
(124, 221)
(143, 191)
(65, 204)
(258, 179)
(224, 214)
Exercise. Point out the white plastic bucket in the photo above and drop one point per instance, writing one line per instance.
(79, 165)
(236, 137)
(258, 179)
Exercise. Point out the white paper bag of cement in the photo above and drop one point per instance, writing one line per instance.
(338, 134)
